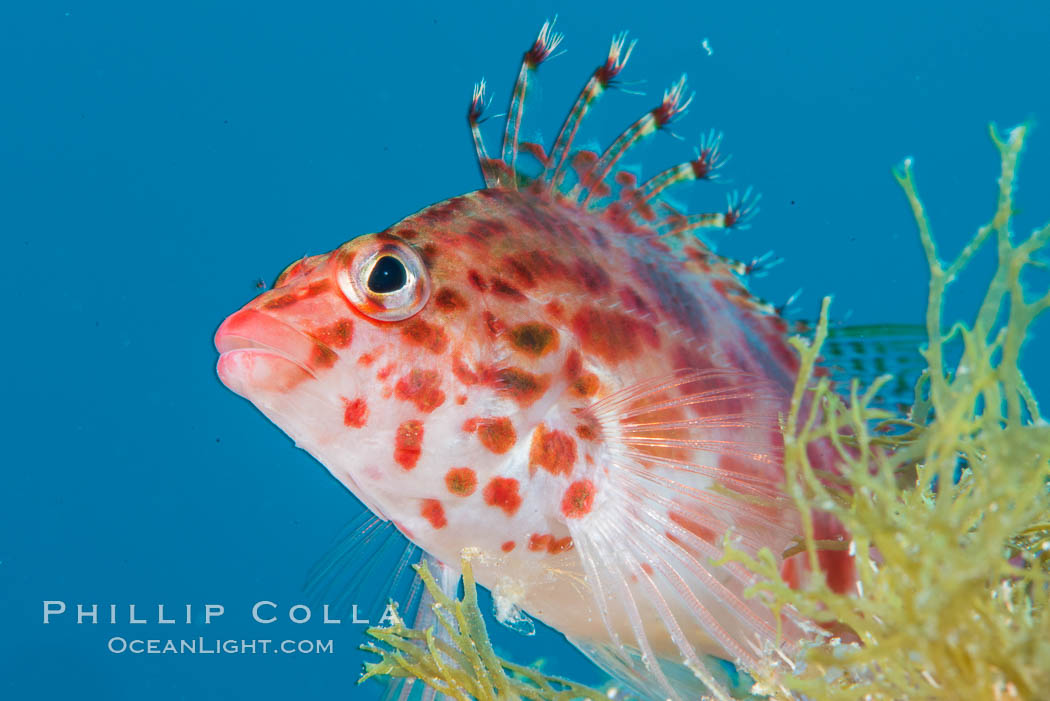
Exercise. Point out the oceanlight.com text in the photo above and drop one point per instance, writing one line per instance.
(215, 646)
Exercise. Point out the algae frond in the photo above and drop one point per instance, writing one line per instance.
(459, 660)
(948, 508)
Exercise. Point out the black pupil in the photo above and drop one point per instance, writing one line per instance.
(388, 275)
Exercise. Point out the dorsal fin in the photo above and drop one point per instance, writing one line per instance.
(599, 185)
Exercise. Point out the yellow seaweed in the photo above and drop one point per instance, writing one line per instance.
(953, 564)
(465, 666)
(950, 515)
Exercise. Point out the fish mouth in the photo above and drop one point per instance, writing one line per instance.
(259, 353)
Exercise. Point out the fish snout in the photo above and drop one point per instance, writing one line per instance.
(261, 354)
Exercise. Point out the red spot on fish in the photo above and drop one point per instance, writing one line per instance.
(612, 336)
(734, 464)
(476, 281)
(462, 371)
(321, 356)
(385, 371)
(423, 388)
(508, 546)
(647, 568)
(573, 365)
(633, 301)
(523, 387)
(555, 309)
(527, 220)
(534, 338)
(496, 227)
(554, 451)
(578, 499)
(559, 545)
(700, 531)
(539, 542)
(585, 385)
(502, 492)
(355, 412)
(461, 481)
(445, 211)
(461, 399)
(407, 234)
(789, 572)
(421, 333)
(448, 300)
(497, 433)
(593, 276)
(506, 290)
(839, 570)
(311, 290)
(280, 302)
(428, 253)
(366, 359)
(314, 289)
(480, 230)
(407, 443)
(522, 274)
(432, 511)
(335, 335)
(537, 265)
(837, 565)
(495, 326)
(586, 432)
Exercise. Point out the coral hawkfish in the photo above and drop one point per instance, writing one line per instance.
(556, 372)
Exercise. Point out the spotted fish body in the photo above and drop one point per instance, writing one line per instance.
(559, 376)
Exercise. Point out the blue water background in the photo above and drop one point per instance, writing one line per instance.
(155, 161)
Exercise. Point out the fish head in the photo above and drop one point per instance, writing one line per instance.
(411, 369)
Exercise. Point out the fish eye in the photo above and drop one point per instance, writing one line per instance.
(388, 275)
(383, 276)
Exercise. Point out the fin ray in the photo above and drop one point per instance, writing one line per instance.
(694, 457)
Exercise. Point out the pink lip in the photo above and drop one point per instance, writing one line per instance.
(261, 353)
